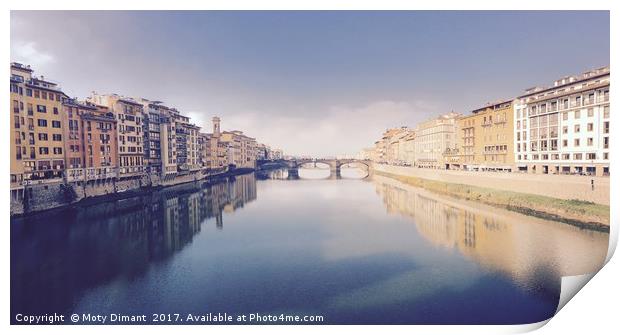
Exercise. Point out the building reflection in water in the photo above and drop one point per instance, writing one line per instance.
(55, 257)
(529, 250)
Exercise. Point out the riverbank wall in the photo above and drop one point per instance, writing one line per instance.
(44, 196)
(569, 199)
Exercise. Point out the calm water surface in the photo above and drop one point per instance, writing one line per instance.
(351, 250)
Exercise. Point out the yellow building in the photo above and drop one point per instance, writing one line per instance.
(36, 128)
(485, 139)
(241, 149)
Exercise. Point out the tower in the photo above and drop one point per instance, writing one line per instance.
(216, 126)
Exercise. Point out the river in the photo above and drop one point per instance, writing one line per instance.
(369, 251)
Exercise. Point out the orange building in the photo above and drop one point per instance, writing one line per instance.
(90, 141)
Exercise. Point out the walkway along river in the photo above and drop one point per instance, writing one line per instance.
(370, 251)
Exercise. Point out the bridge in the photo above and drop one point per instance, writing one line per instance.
(335, 165)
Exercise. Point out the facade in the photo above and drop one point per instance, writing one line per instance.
(37, 149)
(152, 123)
(181, 141)
(90, 141)
(129, 114)
(99, 129)
(564, 129)
(219, 152)
(276, 154)
(433, 139)
(168, 141)
(406, 148)
(193, 147)
(485, 139)
(241, 149)
(263, 152)
(391, 148)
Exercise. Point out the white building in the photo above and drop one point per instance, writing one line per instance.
(564, 128)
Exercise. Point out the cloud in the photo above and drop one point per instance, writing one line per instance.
(28, 53)
(330, 131)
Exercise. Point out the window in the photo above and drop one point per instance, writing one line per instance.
(55, 124)
(564, 143)
(576, 142)
(554, 144)
(566, 156)
(590, 126)
(41, 109)
(30, 110)
(57, 151)
(606, 112)
(56, 110)
(565, 116)
(37, 94)
(605, 142)
(42, 137)
(591, 155)
(606, 127)
(577, 114)
(42, 123)
(577, 128)
(590, 112)
(29, 92)
(590, 141)
(57, 137)
(578, 157)
(43, 151)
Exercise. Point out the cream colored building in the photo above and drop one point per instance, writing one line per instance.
(241, 150)
(193, 147)
(433, 138)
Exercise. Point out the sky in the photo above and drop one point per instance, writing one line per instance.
(320, 83)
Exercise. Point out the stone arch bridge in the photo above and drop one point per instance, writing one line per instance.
(335, 165)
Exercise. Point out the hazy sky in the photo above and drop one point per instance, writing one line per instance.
(316, 83)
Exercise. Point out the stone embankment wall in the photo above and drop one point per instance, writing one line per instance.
(556, 186)
(39, 197)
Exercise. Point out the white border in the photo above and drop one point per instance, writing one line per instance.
(594, 310)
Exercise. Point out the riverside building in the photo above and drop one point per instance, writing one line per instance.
(37, 149)
(90, 142)
(485, 139)
(433, 139)
(129, 114)
(564, 129)
(241, 151)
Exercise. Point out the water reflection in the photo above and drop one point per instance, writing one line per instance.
(531, 251)
(309, 247)
(55, 258)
